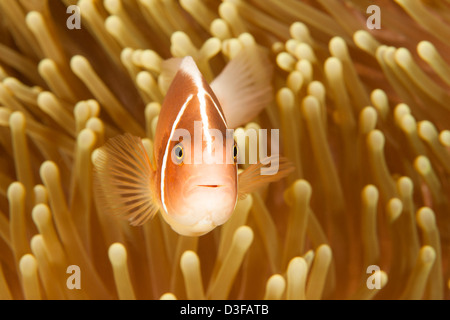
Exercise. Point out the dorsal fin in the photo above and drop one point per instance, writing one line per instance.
(123, 177)
(244, 87)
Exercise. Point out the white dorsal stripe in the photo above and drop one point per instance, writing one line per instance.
(166, 152)
(218, 110)
(201, 98)
(189, 67)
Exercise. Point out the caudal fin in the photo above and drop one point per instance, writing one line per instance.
(244, 87)
(122, 179)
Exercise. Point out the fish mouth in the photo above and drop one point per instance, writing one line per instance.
(207, 184)
(210, 185)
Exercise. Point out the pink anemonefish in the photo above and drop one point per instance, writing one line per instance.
(192, 198)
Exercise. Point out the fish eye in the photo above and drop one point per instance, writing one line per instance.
(179, 153)
(235, 151)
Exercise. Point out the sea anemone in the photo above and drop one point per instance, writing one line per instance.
(364, 117)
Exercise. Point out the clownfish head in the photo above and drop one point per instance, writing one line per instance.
(198, 181)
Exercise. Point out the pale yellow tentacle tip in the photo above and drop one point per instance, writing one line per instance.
(370, 193)
(168, 296)
(17, 121)
(117, 254)
(405, 185)
(394, 209)
(296, 278)
(299, 189)
(286, 61)
(338, 46)
(247, 39)
(86, 138)
(324, 252)
(427, 130)
(243, 236)
(16, 190)
(46, 65)
(333, 67)
(311, 107)
(79, 64)
(384, 278)
(95, 155)
(37, 244)
(362, 38)
(112, 5)
(48, 169)
(444, 138)
(427, 254)
(426, 49)
(189, 259)
(28, 265)
(33, 18)
(297, 263)
(275, 287)
(376, 140)
(426, 219)
(285, 98)
(40, 214)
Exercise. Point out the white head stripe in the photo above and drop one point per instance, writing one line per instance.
(201, 95)
(166, 152)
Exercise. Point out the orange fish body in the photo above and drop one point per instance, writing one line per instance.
(194, 182)
(192, 192)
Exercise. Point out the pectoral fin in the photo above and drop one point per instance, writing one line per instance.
(122, 179)
(257, 175)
